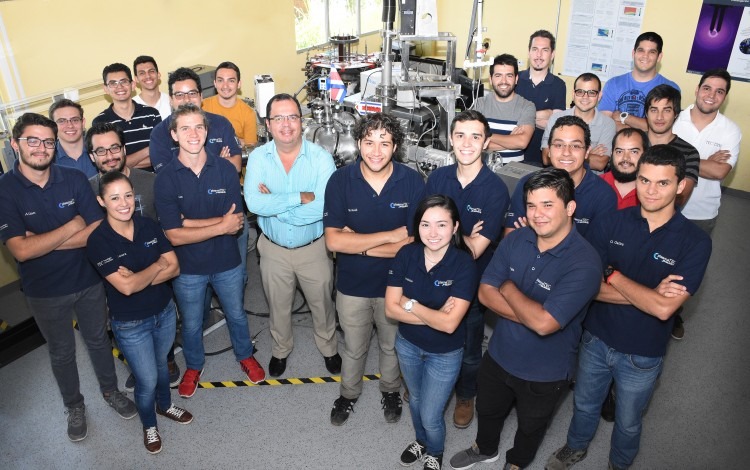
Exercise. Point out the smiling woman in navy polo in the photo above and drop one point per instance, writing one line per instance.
(135, 259)
(430, 286)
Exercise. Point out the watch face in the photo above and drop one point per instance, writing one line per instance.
(623, 115)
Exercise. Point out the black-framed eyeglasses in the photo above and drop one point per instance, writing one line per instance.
(118, 83)
(279, 119)
(183, 94)
(113, 149)
(592, 93)
(75, 121)
(36, 142)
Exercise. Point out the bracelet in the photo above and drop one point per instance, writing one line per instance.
(610, 276)
(364, 253)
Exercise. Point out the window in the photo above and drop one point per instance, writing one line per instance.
(317, 20)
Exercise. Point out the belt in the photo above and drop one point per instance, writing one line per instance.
(293, 248)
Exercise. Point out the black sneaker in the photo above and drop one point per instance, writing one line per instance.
(341, 409)
(564, 458)
(122, 404)
(130, 384)
(433, 462)
(174, 373)
(391, 406)
(412, 454)
(77, 429)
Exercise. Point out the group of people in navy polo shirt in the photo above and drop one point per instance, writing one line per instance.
(570, 280)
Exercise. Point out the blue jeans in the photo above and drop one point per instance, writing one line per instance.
(190, 292)
(430, 378)
(635, 379)
(145, 344)
(466, 386)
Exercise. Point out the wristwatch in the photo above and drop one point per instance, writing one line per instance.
(623, 115)
(409, 305)
(608, 272)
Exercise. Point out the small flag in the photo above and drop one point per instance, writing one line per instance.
(336, 85)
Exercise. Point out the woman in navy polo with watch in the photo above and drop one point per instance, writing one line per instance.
(135, 259)
(430, 286)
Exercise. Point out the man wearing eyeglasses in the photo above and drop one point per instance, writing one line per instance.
(586, 96)
(135, 119)
(68, 115)
(285, 185)
(185, 87)
(47, 213)
(569, 141)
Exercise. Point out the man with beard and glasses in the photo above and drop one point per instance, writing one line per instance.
(511, 117)
(47, 213)
(627, 147)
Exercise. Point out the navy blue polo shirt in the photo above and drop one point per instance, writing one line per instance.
(624, 242)
(486, 198)
(550, 93)
(163, 149)
(108, 250)
(351, 202)
(563, 279)
(594, 198)
(24, 206)
(179, 192)
(453, 276)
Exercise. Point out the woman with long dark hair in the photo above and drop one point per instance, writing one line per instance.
(430, 287)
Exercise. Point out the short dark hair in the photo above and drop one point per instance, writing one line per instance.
(552, 178)
(181, 74)
(664, 92)
(230, 66)
(116, 67)
(472, 115)
(718, 73)
(504, 59)
(376, 121)
(281, 97)
(587, 77)
(64, 103)
(543, 33)
(102, 128)
(664, 155)
(184, 110)
(144, 59)
(445, 202)
(650, 36)
(108, 178)
(565, 121)
(32, 119)
(629, 132)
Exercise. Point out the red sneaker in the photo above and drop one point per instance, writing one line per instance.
(254, 371)
(189, 383)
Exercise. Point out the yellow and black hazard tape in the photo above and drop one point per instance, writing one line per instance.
(3, 325)
(277, 382)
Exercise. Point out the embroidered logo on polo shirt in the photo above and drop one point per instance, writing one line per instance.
(616, 242)
(215, 140)
(150, 243)
(65, 204)
(3, 227)
(104, 261)
(399, 205)
(664, 259)
(217, 191)
(476, 210)
(543, 285)
(582, 220)
(447, 283)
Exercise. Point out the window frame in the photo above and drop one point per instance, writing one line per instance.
(327, 26)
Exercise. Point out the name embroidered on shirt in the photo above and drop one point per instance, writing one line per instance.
(617, 242)
(29, 214)
(104, 261)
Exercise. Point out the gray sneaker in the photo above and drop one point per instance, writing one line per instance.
(470, 457)
(564, 458)
(122, 404)
(77, 429)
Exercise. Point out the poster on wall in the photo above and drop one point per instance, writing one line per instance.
(601, 36)
(722, 38)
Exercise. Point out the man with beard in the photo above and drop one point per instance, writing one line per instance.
(538, 85)
(511, 116)
(628, 146)
(47, 213)
(586, 95)
(104, 144)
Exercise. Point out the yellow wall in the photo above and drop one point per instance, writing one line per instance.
(509, 25)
